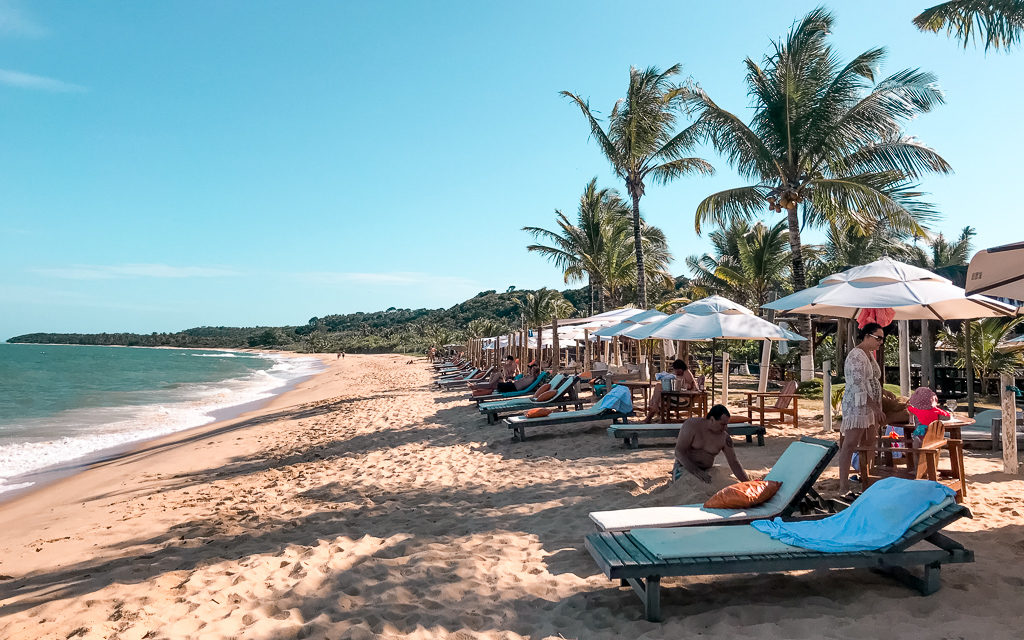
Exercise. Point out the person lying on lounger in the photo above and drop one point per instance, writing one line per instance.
(491, 384)
(521, 383)
(686, 382)
(699, 443)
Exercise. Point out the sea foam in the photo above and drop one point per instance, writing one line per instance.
(86, 433)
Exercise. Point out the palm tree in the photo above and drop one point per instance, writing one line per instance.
(600, 246)
(540, 306)
(986, 335)
(750, 262)
(618, 264)
(999, 22)
(944, 254)
(823, 137)
(578, 248)
(640, 142)
(848, 247)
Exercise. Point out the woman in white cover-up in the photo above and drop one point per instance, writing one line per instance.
(862, 398)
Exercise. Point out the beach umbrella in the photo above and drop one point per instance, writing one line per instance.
(638, 318)
(998, 272)
(714, 318)
(912, 293)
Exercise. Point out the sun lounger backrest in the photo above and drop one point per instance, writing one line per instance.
(563, 388)
(799, 465)
(784, 400)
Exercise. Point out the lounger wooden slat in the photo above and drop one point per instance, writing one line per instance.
(892, 560)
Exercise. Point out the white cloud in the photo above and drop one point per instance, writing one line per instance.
(39, 83)
(109, 272)
(15, 22)
(393, 278)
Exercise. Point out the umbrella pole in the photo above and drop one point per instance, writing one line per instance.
(712, 369)
(969, 362)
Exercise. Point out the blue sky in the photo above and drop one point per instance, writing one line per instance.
(169, 165)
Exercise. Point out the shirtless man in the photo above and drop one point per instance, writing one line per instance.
(509, 369)
(701, 440)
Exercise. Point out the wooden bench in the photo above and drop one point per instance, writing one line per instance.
(630, 434)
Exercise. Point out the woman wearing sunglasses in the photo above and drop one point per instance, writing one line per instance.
(862, 399)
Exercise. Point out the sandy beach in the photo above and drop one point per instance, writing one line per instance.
(367, 504)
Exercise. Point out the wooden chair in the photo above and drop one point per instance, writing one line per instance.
(922, 464)
(786, 402)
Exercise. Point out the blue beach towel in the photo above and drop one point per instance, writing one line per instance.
(617, 399)
(878, 517)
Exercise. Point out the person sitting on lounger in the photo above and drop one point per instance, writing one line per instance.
(686, 383)
(521, 383)
(509, 369)
(699, 443)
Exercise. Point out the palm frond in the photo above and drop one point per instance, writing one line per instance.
(997, 23)
(742, 203)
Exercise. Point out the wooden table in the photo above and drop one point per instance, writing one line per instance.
(643, 386)
(953, 429)
(698, 403)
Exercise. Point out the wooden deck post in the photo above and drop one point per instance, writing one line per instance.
(766, 363)
(826, 394)
(725, 378)
(586, 349)
(1009, 423)
(904, 328)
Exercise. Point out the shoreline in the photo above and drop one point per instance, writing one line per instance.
(48, 476)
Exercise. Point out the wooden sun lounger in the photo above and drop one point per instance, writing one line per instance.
(518, 424)
(622, 557)
(631, 434)
(470, 379)
(568, 395)
(528, 391)
(797, 468)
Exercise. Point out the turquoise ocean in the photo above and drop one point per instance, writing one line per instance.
(62, 405)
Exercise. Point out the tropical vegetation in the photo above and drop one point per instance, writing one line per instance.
(997, 23)
(641, 144)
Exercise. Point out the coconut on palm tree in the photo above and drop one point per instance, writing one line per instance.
(825, 143)
(999, 23)
(641, 144)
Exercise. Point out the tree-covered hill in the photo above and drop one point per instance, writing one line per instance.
(407, 330)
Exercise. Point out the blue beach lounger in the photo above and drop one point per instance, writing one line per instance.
(870, 534)
(616, 406)
(528, 391)
(564, 395)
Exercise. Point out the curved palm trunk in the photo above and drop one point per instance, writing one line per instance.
(641, 280)
(799, 277)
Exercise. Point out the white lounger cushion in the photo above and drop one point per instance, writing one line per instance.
(793, 468)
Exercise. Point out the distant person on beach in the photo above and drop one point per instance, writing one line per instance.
(699, 443)
(509, 369)
(521, 383)
(686, 380)
(862, 399)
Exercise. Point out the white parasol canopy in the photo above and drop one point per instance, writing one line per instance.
(711, 318)
(998, 272)
(911, 292)
(638, 318)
